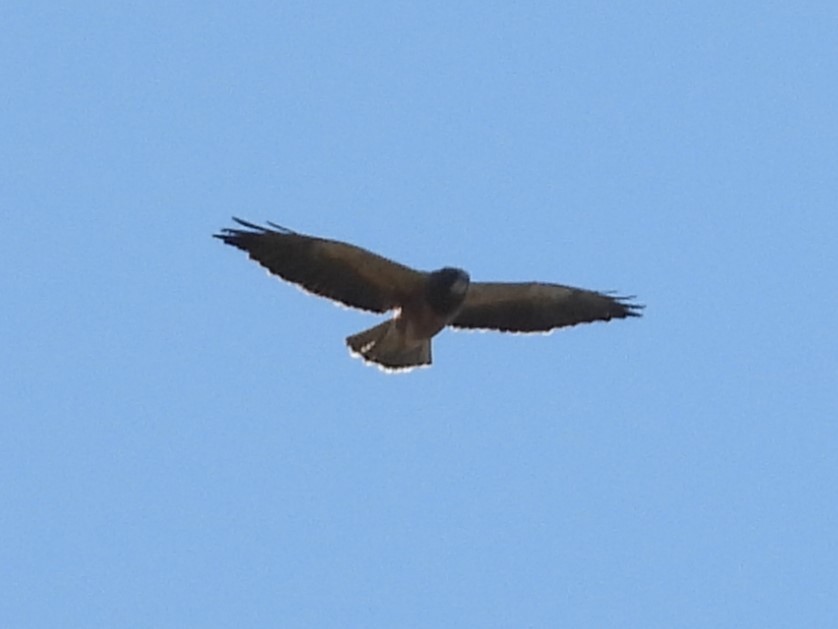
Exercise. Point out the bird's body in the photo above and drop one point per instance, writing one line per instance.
(425, 302)
(405, 340)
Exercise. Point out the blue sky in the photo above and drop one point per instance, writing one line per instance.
(186, 442)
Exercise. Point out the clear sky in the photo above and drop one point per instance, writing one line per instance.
(185, 441)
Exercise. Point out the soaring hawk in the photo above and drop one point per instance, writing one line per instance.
(424, 302)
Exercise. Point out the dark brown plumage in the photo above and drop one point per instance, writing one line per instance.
(426, 302)
(537, 307)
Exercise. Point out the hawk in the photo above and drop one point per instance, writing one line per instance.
(424, 302)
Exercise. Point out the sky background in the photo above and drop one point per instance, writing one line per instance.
(185, 442)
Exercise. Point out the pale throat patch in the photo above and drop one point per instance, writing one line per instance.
(460, 286)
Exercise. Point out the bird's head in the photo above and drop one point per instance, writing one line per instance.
(447, 289)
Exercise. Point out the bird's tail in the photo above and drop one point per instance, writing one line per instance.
(386, 345)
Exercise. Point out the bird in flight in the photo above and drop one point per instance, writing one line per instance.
(424, 302)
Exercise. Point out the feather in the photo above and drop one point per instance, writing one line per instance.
(537, 307)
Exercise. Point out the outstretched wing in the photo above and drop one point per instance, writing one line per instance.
(337, 270)
(537, 307)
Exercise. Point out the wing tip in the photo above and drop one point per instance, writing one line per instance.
(230, 235)
(628, 307)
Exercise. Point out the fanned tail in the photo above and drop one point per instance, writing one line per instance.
(385, 345)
